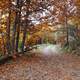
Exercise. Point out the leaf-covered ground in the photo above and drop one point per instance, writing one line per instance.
(40, 67)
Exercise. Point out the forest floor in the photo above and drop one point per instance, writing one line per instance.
(42, 67)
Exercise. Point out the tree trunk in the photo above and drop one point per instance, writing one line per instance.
(18, 27)
(14, 29)
(8, 30)
(66, 24)
(25, 25)
(14, 33)
(24, 38)
(67, 35)
(3, 45)
(17, 37)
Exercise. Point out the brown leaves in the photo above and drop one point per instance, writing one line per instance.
(4, 4)
(39, 67)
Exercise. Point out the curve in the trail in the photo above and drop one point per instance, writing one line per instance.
(48, 49)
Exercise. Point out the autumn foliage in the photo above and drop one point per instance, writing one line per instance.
(29, 22)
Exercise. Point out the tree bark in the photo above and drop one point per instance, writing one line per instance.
(67, 35)
(8, 45)
(24, 37)
(14, 33)
(25, 25)
(14, 29)
(18, 27)
(66, 24)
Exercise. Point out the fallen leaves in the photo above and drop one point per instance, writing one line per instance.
(39, 67)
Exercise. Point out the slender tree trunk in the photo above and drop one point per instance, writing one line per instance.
(67, 35)
(3, 45)
(66, 24)
(18, 27)
(17, 37)
(24, 37)
(14, 29)
(25, 25)
(8, 30)
(77, 31)
(14, 33)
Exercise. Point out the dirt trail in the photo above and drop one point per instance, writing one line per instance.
(48, 49)
(39, 67)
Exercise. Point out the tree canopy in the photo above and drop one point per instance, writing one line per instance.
(20, 17)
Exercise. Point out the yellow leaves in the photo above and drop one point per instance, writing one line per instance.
(74, 20)
(3, 28)
(28, 36)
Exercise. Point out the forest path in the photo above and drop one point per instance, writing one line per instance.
(48, 49)
(40, 67)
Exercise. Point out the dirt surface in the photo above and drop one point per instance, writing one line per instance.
(39, 67)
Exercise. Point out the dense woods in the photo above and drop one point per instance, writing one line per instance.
(24, 23)
(39, 39)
